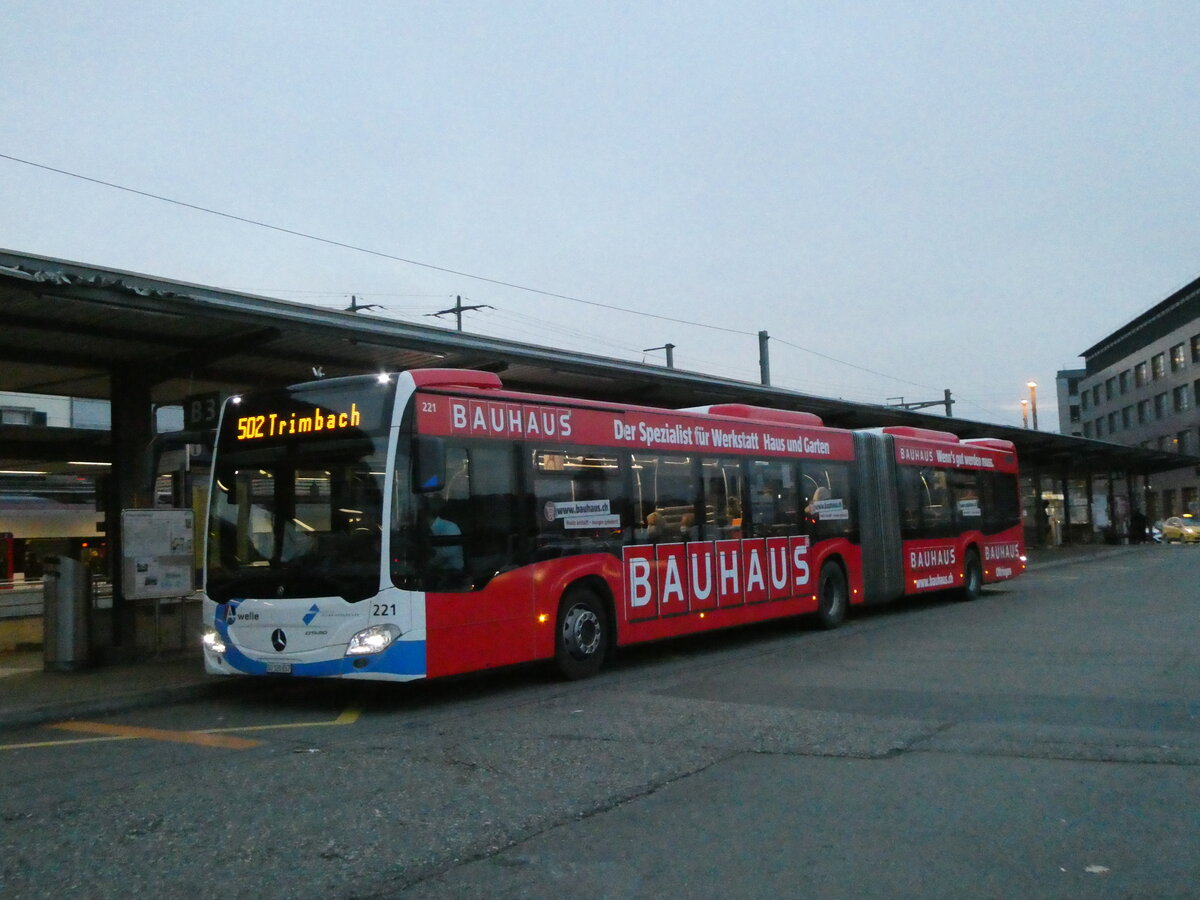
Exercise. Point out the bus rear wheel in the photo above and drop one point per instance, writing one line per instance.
(581, 641)
(972, 577)
(833, 598)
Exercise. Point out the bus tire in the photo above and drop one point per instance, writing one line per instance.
(972, 577)
(833, 598)
(581, 638)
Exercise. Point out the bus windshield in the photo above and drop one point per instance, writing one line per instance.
(297, 499)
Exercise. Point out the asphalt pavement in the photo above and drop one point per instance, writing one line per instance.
(1042, 742)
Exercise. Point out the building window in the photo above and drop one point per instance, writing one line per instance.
(1161, 443)
(1183, 442)
(1139, 374)
(1196, 348)
(1180, 397)
(1096, 395)
(1110, 388)
(1160, 405)
(1196, 391)
(1177, 361)
(1127, 417)
(1188, 500)
(1084, 404)
(1087, 429)
(1100, 427)
(1158, 364)
(1072, 386)
(1123, 379)
(1143, 409)
(1168, 507)
(21, 415)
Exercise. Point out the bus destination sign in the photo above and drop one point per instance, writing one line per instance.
(281, 424)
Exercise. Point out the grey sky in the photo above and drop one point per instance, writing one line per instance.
(958, 195)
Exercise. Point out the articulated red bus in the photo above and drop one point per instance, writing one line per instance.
(431, 523)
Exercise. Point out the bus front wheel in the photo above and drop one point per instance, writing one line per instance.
(582, 634)
(833, 598)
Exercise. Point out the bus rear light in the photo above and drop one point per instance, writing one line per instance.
(372, 640)
(543, 618)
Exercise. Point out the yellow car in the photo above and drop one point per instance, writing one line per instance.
(1178, 529)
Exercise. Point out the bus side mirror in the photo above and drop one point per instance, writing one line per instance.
(429, 464)
(227, 484)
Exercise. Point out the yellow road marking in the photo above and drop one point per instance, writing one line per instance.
(226, 742)
(95, 740)
(129, 733)
(349, 717)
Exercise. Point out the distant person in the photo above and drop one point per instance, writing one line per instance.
(1137, 527)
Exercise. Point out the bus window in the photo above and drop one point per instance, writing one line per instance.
(721, 481)
(925, 509)
(911, 490)
(774, 499)
(665, 494)
(296, 531)
(579, 501)
(937, 515)
(829, 500)
(458, 538)
(968, 502)
(1002, 506)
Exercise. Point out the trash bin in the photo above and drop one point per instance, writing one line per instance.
(67, 591)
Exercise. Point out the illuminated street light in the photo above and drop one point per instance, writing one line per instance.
(1024, 413)
(1033, 402)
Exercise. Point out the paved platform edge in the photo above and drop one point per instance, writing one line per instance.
(32, 716)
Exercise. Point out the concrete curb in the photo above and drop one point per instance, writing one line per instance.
(31, 716)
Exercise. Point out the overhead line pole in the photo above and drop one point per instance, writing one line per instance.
(458, 309)
(924, 404)
(670, 348)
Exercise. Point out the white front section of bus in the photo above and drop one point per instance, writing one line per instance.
(381, 638)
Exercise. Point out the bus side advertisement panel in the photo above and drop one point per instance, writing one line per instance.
(956, 456)
(1004, 555)
(754, 570)
(641, 587)
(637, 430)
(931, 565)
(671, 560)
(739, 580)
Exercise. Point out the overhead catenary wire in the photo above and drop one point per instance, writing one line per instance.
(443, 269)
(359, 249)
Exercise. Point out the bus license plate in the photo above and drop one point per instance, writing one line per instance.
(279, 668)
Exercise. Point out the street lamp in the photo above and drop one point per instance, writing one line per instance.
(1033, 402)
(1024, 413)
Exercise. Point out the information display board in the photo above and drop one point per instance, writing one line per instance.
(157, 558)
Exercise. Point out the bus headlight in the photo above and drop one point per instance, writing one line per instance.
(372, 640)
(212, 641)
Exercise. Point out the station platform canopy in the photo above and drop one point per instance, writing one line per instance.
(72, 329)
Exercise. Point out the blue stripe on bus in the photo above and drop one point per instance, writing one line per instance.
(401, 658)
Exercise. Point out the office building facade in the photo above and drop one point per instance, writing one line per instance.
(1141, 388)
